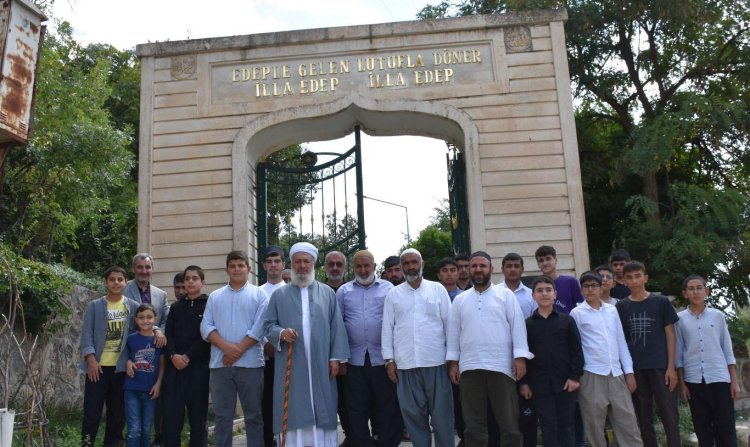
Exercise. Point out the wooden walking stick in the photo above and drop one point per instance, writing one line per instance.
(285, 414)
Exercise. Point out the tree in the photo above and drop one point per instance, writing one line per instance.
(434, 241)
(68, 193)
(663, 113)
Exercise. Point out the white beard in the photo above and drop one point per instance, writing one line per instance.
(365, 281)
(414, 277)
(302, 281)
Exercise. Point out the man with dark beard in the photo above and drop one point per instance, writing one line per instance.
(392, 270)
(415, 320)
(488, 334)
(370, 395)
(305, 314)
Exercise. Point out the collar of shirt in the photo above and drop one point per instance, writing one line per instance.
(537, 315)
(237, 290)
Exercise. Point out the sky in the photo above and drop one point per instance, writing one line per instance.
(408, 171)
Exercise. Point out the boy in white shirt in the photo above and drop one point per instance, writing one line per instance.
(607, 380)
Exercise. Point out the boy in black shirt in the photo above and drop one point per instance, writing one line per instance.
(554, 374)
(186, 374)
(648, 322)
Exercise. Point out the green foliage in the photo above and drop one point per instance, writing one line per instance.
(434, 244)
(698, 237)
(69, 195)
(663, 121)
(40, 287)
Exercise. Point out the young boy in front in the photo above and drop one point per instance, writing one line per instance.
(706, 367)
(568, 292)
(554, 374)
(107, 322)
(144, 369)
(608, 380)
(233, 324)
(648, 322)
(186, 374)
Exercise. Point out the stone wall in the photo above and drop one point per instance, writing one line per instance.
(54, 360)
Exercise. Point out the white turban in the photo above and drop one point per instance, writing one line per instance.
(304, 247)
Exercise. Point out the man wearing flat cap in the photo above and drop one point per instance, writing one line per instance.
(370, 395)
(305, 314)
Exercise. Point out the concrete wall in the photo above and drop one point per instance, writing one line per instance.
(499, 90)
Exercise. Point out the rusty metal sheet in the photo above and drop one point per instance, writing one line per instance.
(20, 39)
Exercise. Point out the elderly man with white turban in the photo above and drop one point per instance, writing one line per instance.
(305, 315)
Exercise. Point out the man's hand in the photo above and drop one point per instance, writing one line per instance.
(670, 379)
(519, 368)
(392, 372)
(630, 381)
(342, 369)
(180, 361)
(735, 390)
(525, 391)
(159, 339)
(333, 369)
(571, 385)
(232, 353)
(453, 371)
(93, 368)
(155, 391)
(288, 335)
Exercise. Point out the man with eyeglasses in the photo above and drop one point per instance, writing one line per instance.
(335, 266)
(608, 282)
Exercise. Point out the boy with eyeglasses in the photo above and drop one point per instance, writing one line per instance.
(607, 381)
(706, 366)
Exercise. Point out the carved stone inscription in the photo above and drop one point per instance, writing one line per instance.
(329, 75)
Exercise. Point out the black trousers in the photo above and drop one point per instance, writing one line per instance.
(527, 420)
(556, 415)
(371, 396)
(106, 391)
(651, 387)
(458, 418)
(186, 388)
(267, 403)
(712, 410)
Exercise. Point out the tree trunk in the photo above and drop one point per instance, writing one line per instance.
(651, 191)
(4, 151)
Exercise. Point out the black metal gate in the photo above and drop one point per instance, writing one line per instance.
(296, 190)
(459, 212)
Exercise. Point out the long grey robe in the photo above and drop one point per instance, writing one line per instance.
(328, 341)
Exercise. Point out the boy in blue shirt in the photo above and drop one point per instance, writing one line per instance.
(145, 368)
(706, 366)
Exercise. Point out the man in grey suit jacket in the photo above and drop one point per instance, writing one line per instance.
(141, 291)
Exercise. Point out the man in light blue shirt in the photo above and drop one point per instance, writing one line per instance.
(370, 395)
(706, 366)
(233, 324)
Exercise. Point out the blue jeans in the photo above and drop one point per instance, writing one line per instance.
(139, 413)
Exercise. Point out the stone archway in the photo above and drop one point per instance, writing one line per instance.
(280, 129)
(496, 86)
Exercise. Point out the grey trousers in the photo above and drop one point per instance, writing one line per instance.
(426, 398)
(602, 395)
(225, 385)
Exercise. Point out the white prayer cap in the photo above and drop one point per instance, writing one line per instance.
(411, 251)
(304, 247)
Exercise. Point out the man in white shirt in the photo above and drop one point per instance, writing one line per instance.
(512, 267)
(487, 352)
(415, 321)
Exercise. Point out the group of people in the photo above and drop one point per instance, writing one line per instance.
(400, 355)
